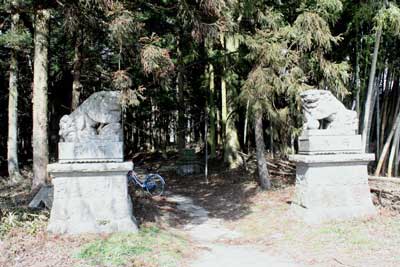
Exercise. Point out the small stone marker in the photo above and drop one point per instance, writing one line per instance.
(90, 182)
(43, 198)
(188, 163)
(331, 169)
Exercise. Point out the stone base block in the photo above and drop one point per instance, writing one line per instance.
(320, 215)
(91, 151)
(328, 142)
(91, 198)
(184, 169)
(332, 187)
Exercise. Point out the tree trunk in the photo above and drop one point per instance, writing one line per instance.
(232, 145)
(39, 139)
(224, 107)
(181, 129)
(212, 114)
(76, 72)
(357, 81)
(263, 175)
(229, 131)
(371, 81)
(393, 152)
(12, 142)
(387, 144)
(246, 122)
(378, 123)
(370, 93)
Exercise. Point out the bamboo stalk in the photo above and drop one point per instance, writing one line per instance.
(386, 146)
(392, 152)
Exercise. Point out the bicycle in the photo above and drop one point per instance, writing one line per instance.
(153, 183)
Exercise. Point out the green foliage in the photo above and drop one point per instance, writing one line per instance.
(150, 246)
(312, 31)
(388, 19)
(313, 36)
(276, 78)
(156, 60)
(328, 10)
(123, 24)
(19, 40)
(8, 5)
(291, 58)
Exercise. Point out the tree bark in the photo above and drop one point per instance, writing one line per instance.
(370, 92)
(12, 141)
(387, 145)
(40, 122)
(76, 72)
(212, 139)
(368, 103)
(181, 129)
(263, 175)
(229, 131)
(357, 81)
(378, 122)
(392, 154)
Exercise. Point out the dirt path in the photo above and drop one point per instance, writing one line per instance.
(212, 237)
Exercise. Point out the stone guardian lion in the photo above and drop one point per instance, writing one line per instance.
(324, 111)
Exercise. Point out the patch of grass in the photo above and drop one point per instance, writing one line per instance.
(150, 247)
(349, 233)
(30, 221)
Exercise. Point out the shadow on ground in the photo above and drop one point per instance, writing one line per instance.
(227, 196)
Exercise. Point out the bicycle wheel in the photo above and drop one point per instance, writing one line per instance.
(154, 184)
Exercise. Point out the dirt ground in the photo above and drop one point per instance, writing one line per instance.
(263, 218)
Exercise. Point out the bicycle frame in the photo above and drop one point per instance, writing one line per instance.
(153, 183)
(135, 178)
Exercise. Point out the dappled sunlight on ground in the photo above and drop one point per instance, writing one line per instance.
(261, 218)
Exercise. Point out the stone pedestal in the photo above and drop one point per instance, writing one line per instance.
(188, 164)
(91, 198)
(332, 187)
(90, 151)
(313, 142)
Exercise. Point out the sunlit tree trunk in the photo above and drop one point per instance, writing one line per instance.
(385, 148)
(357, 82)
(212, 114)
(39, 138)
(263, 175)
(370, 92)
(368, 103)
(230, 135)
(12, 142)
(393, 150)
(76, 72)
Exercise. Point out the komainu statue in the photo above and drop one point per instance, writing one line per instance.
(97, 118)
(324, 111)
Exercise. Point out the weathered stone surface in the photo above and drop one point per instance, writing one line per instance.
(332, 187)
(97, 118)
(331, 170)
(319, 142)
(323, 111)
(43, 198)
(332, 158)
(90, 151)
(91, 198)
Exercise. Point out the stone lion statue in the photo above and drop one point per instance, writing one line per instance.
(97, 118)
(324, 111)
